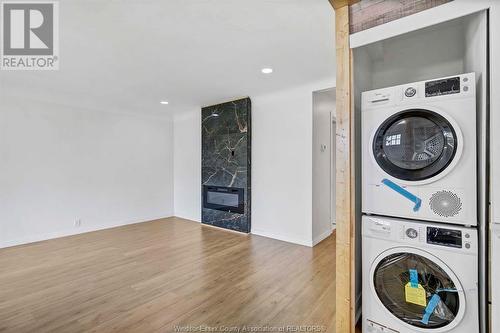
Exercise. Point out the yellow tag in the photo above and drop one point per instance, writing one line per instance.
(415, 295)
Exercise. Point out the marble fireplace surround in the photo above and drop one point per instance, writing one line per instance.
(225, 160)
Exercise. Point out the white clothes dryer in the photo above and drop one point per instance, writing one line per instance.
(419, 150)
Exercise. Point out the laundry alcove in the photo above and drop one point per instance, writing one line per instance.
(446, 49)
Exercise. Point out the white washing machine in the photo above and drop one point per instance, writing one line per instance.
(419, 150)
(419, 277)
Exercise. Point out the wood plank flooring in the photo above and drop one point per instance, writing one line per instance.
(152, 277)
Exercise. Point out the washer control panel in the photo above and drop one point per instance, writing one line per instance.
(412, 233)
(444, 237)
(423, 234)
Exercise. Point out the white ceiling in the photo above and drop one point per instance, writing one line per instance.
(130, 54)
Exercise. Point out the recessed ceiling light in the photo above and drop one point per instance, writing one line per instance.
(164, 102)
(267, 70)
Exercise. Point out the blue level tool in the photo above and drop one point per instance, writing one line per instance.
(410, 196)
(414, 278)
(429, 310)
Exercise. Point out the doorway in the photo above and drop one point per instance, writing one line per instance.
(323, 203)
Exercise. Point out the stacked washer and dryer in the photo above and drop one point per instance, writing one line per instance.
(419, 235)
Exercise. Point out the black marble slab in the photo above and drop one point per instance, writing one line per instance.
(225, 160)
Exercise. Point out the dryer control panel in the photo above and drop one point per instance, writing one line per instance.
(441, 87)
(451, 87)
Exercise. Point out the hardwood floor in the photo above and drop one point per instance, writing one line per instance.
(153, 276)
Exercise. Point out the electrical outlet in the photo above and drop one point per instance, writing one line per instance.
(78, 223)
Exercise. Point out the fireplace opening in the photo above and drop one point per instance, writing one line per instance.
(229, 199)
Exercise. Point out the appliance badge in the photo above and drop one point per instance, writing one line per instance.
(410, 92)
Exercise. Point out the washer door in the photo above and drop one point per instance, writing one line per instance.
(415, 145)
(391, 274)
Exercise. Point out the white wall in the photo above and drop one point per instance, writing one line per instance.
(363, 81)
(495, 115)
(60, 164)
(476, 60)
(394, 60)
(187, 165)
(495, 165)
(281, 164)
(322, 210)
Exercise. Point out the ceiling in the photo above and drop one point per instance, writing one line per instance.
(130, 54)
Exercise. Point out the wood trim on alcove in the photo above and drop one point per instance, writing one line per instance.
(367, 14)
(345, 212)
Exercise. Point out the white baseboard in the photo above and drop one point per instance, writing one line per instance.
(281, 237)
(186, 217)
(319, 238)
(75, 231)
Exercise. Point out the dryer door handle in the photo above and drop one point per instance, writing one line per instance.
(408, 195)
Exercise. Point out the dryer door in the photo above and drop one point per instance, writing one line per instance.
(415, 145)
(392, 276)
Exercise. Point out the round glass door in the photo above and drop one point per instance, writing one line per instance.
(415, 144)
(391, 278)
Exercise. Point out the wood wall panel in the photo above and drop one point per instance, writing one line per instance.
(369, 13)
(341, 3)
(345, 259)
